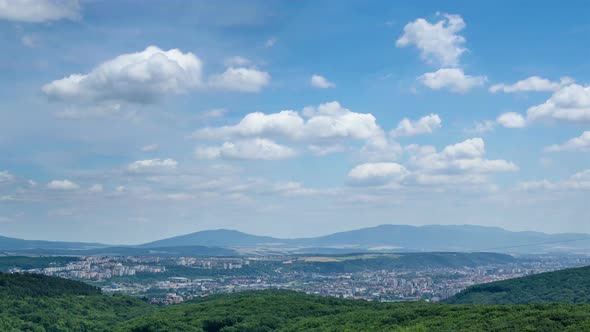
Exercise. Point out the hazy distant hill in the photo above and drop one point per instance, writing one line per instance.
(398, 237)
(173, 251)
(215, 238)
(564, 286)
(9, 243)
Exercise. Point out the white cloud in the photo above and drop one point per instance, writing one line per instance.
(291, 189)
(511, 120)
(37, 11)
(569, 103)
(323, 150)
(438, 43)
(463, 162)
(28, 41)
(138, 77)
(6, 198)
(6, 177)
(214, 113)
(102, 110)
(241, 79)
(321, 82)
(96, 188)
(451, 78)
(152, 165)
(578, 181)
(482, 127)
(580, 143)
(533, 83)
(251, 149)
(284, 123)
(62, 185)
(150, 148)
(377, 173)
(327, 121)
(237, 61)
(270, 42)
(425, 125)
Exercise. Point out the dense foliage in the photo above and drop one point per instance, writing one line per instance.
(31, 302)
(25, 262)
(20, 285)
(290, 311)
(361, 262)
(565, 286)
(26, 304)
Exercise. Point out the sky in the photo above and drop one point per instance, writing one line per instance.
(130, 121)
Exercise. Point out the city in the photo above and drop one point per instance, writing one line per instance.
(165, 280)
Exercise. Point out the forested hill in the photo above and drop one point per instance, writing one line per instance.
(564, 286)
(20, 285)
(31, 302)
(291, 311)
(26, 305)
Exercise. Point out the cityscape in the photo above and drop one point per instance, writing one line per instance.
(165, 280)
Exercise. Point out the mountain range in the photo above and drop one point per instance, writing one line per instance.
(385, 238)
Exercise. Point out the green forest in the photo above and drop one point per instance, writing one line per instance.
(40, 303)
(564, 286)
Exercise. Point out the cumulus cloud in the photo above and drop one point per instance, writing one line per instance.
(425, 125)
(6, 177)
(271, 42)
(29, 41)
(533, 83)
(323, 150)
(249, 149)
(138, 77)
(580, 143)
(152, 165)
(511, 120)
(150, 147)
(62, 185)
(237, 61)
(569, 103)
(453, 79)
(578, 181)
(321, 82)
(377, 173)
(325, 122)
(241, 79)
(461, 164)
(466, 157)
(439, 42)
(37, 11)
(96, 188)
(482, 127)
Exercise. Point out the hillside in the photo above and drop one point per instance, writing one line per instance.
(396, 238)
(384, 238)
(215, 238)
(39, 303)
(290, 311)
(564, 286)
(360, 262)
(9, 243)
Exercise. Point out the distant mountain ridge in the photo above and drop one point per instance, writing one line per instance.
(10, 243)
(396, 237)
(384, 238)
(214, 238)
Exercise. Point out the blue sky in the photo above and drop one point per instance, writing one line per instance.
(129, 121)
